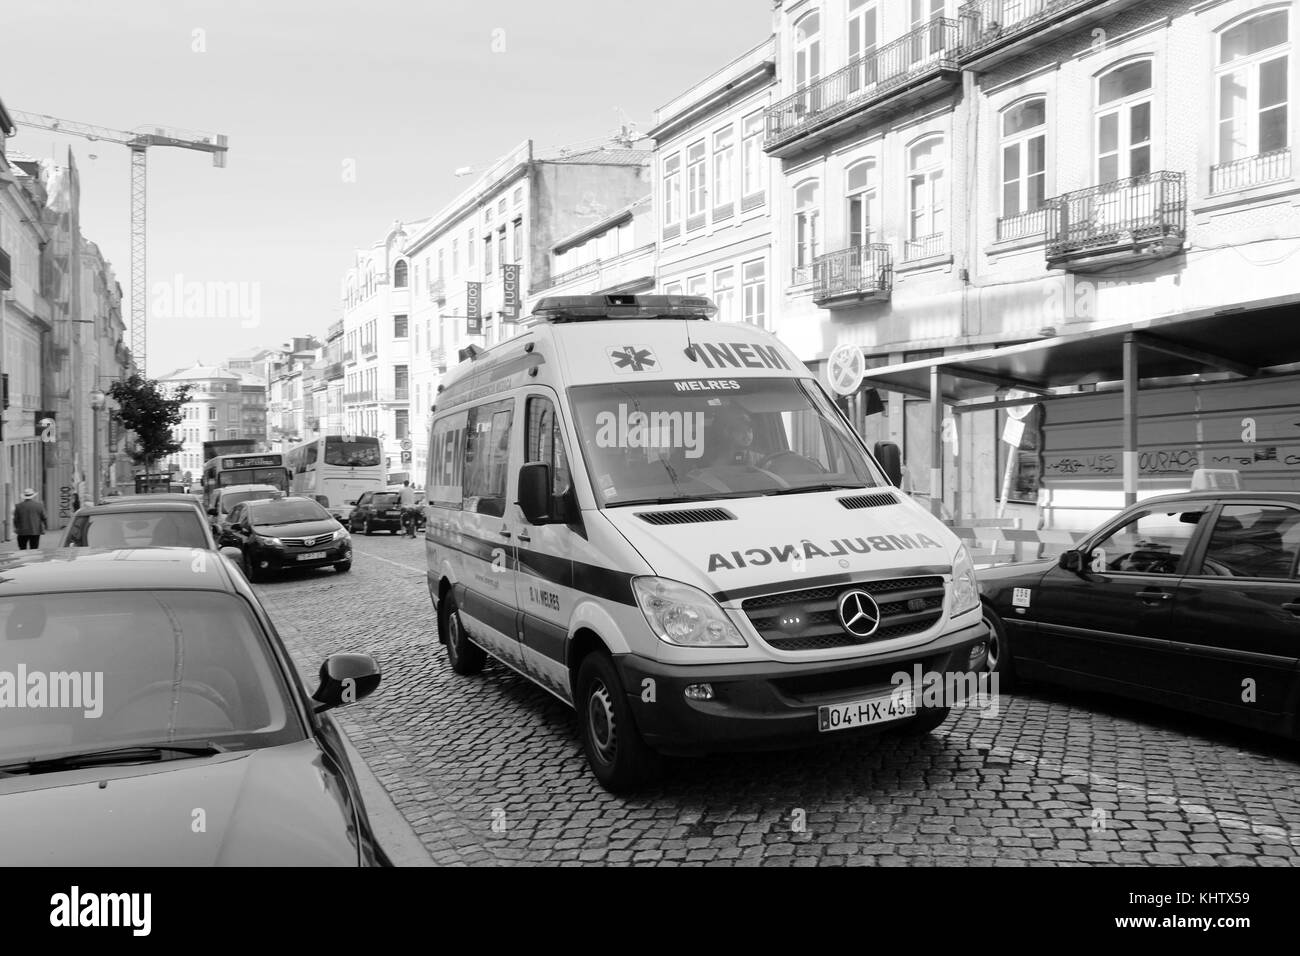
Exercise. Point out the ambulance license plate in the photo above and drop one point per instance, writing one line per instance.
(312, 556)
(862, 713)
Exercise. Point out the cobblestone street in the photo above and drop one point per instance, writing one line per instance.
(489, 769)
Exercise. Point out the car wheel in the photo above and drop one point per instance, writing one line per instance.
(616, 752)
(929, 719)
(343, 567)
(464, 655)
(367, 528)
(251, 570)
(1000, 661)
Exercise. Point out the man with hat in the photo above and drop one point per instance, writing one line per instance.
(29, 521)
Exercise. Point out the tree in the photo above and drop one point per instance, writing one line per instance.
(146, 410)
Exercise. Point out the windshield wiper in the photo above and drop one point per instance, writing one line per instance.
(113, 755)
(682, 499)
(805, 488)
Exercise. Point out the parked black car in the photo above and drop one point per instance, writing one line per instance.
(1190, 600)
(376, 511)
(176, 694)
(275, 534)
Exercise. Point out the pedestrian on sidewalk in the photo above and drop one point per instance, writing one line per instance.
(406, 500)
(29, 521)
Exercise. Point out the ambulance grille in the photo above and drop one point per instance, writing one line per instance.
(809, 620)
(868, 501)
(692, 516)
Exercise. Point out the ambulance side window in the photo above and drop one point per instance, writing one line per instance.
(544, 443)
(487, 457)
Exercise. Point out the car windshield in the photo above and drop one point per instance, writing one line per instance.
(229, 501)
(287, 511)
(275, 477)
(386, 500)
(179, 528)
(103, 669)
(353, 454)
(704, 438)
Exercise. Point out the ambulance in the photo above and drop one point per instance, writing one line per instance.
(665, 522)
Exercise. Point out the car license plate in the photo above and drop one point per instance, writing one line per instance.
(393, 514)
(312, 556)
(862, 713)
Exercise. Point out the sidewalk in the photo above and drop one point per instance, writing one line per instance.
(49, 541)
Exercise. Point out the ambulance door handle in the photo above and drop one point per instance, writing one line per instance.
(524, 536)
(504, 533)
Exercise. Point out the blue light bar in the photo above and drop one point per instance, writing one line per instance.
(593, 308)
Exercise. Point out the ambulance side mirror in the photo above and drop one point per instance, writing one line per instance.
(891, 460)
(535, 492)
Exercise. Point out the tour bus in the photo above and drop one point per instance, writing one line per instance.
(263, 468)
(338, 469)
(667, 523)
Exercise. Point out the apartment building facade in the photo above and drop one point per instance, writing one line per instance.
(959, 176)
(713, 190)
(515, 214)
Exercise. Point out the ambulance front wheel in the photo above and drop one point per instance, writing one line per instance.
(464, 656)
(618, 756)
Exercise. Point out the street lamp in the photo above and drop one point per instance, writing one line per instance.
(97, 399)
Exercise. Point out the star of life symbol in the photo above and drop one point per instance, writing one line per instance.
(632, 358)
(859, 613)
(845, 368)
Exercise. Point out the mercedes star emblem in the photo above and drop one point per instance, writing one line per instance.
(859, 613)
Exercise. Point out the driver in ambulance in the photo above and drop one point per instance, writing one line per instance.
(733, 438)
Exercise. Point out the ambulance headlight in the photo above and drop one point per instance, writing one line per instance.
(683, 615)
(965, 592)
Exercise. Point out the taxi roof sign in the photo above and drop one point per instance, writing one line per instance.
(594, 308)
(1216, 479)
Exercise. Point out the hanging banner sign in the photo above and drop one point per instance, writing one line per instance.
(510, 292)
(474, 308)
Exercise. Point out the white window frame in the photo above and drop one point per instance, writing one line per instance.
(862, 43)
(697, 285)
(724, 293)
(697, 179)
(1020, 142)
(806, 224)
(724, 165)
(866, 196)
(931, 217)
(753, 159)
(672, 205)
(1122, 108)
(753, 290)
(1251, 64)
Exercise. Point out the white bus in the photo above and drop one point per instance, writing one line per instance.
(336, 470)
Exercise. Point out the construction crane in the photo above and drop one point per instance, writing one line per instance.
(138, 141)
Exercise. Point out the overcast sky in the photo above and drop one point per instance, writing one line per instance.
(405, 93)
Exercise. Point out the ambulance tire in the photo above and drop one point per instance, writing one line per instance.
(929, 720)
(1001, 662)
(464, 656)
(617, 754)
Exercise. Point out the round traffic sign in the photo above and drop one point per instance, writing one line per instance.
(845, 368)
(406, 444)
(1019, 412)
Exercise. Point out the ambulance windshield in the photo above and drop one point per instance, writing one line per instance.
(700, 439)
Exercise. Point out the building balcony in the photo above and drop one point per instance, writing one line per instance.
(1025, 225)
(1142, 217)
(333, 371)
(349, 356)
(335, 330)
(358, 398)
(849, 276)
(1270, 167)
(920, 64)
(369, 349)
(996, 30)
(925, 247)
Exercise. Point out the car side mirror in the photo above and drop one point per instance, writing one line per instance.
(233, 554)
(535, 492)
(345, 679)
(213, 512)
(1075, 561)
(890, 457)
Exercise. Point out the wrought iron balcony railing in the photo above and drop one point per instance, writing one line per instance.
(1250, 171)
(867, 79)
(984, 22)
(335, 329)
(1025, 225)
(857, 271)
(357, 398)
(925, 247)
(1142, 211)
(333, 371)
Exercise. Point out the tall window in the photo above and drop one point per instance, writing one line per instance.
(501, 246)
(753, 159)
(673, 288)
(487, 257)
(672, 190)
(455, 257)
(1252, 87)
(929, 42)
(469, 249)
(724, 294)
(1024, 157)
(697, 285)
(862, 43)
(518, 236)
(928, 213)
(807, 225)
(724, 161)
(754, 293)
(696, 181)
(400, 326)
(399, 275)
(864, 203)
(807, 51)
(1124, 122)
(441, 268)
(401, 380)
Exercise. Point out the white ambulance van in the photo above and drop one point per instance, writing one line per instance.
(665, 522)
